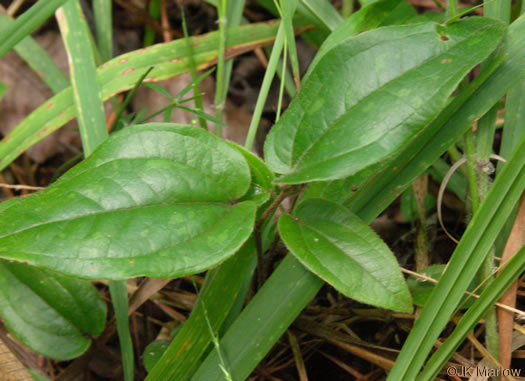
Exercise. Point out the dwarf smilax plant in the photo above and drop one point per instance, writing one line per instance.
(376, 108)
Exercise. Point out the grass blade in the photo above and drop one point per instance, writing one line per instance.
(103, 28)
(514, 116)
(287, 11)
(154, 12)
(27, 23)
(234, 17)
(38, 59)
(262, 322)
(119, 296)
(88, 105)
(122, 73)
(220, 92)
(490, 295)
(325, 12)
(269, 74)
(191, 341)
(193, 67)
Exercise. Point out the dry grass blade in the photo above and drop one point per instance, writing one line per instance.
(505, 317)
(335, 338)
(298, 357)
(148, 288)
(425, 278)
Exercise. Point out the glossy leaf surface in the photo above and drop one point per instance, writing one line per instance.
(50, 313)
(157, 200)
(378, 90)
(340, 248)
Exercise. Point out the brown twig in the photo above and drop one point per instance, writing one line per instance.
(298, 357)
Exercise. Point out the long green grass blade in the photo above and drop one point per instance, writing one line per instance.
(220, 94)
(490, 295)
(514, 126)
(288, 8)
(38, 59)
(269, 74)
(193, 339)
(303, 16)
(27, 23)
(193, 67)
(88, 105)
(233, 17)
(123, 72)
(263, 321)
(325, 12)
(119, 295)
(154, 12)
(103, 28)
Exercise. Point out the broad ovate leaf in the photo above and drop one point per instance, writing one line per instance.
(156, 200)
(341, 249)
(52, 314)
(371, 94)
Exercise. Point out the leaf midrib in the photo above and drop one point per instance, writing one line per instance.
(90, 214)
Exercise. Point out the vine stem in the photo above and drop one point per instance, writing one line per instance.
(261, 272)
(478, 181)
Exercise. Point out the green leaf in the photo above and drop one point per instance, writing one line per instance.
(379, 90)
(402, 14)
(154, 200)
(340, 248)
(52, 314)
(154, 352)
(88, 105)
(118, 290)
